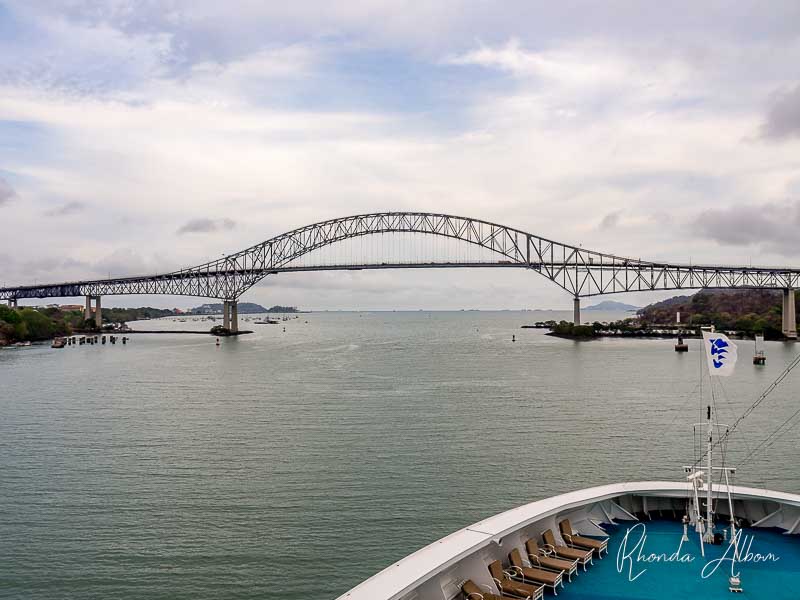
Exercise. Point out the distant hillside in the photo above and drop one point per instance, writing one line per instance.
(282, 309)
(123, 315)
(245, 308)
(749, 311)
(612, 305)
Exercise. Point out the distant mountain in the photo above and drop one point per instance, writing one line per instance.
(282, 309)
(245, 308)
(612, 305)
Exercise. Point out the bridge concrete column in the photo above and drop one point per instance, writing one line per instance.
(234, 309)
(12, 302)
(789, 315)
(98, 313)
(226, 314)
(87, 312)
(576, 310)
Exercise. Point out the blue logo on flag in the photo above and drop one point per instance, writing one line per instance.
(719, 352)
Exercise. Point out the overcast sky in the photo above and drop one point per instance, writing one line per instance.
(142, 136)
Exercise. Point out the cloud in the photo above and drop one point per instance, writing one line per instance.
(78, 58)
(585, 64)
(6, 191)
(579, 65)
(204, 27)
(207, 225)
(559, 126)
(124, 262)
(770, 227)
(509, 57)
(70, 208)
(783, 116)
(611, 220)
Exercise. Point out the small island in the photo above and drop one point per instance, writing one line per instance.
(244, 308)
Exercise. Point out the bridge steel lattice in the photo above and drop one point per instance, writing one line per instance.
(579, 271)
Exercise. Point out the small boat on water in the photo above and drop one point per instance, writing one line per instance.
(703, 536)
(267, 321)
(759, 356)
(22, 344)
(59, 342)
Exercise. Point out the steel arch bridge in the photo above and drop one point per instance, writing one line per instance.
(579, 271)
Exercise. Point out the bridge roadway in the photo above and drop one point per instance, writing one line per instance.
(579, 271)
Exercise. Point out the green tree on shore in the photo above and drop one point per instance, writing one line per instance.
(28, 324)
(746, 311)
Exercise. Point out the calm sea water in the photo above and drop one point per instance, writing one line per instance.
(296, 463)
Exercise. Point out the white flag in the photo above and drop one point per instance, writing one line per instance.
(720, 352)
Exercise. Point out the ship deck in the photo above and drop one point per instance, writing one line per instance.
(777, 579)
(439, 570)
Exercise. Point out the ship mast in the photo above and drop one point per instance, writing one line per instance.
(721, 357)
(709, 537)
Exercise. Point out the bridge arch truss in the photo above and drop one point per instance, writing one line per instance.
(579, 271)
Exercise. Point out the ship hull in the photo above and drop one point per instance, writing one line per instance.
(439, 570)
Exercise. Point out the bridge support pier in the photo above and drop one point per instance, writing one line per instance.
(226, 314)
(98, 313)
(12, 302)
(234, 316)
(789, 314)
(87, 312)
(576, 311)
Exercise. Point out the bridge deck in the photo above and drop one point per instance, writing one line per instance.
(579, 271)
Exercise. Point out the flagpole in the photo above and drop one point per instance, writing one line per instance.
(721, 356)
(709, 517)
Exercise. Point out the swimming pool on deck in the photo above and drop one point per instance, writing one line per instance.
(648, 561)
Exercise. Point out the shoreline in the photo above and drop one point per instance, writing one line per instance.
(181, 331)
(654, 336)
(189, 331)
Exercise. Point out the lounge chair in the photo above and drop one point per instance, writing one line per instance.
(546, 559)
(583, 557)
(473, 592)
(510, 587)
(527, 573)
(573, 539)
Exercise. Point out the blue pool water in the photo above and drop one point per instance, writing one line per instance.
(609, 578)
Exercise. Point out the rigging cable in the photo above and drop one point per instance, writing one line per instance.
(680, 408)
(715, 431)
(772, 437)
(723, 439)
(721, 436)
(729, 407)
(759, 400)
